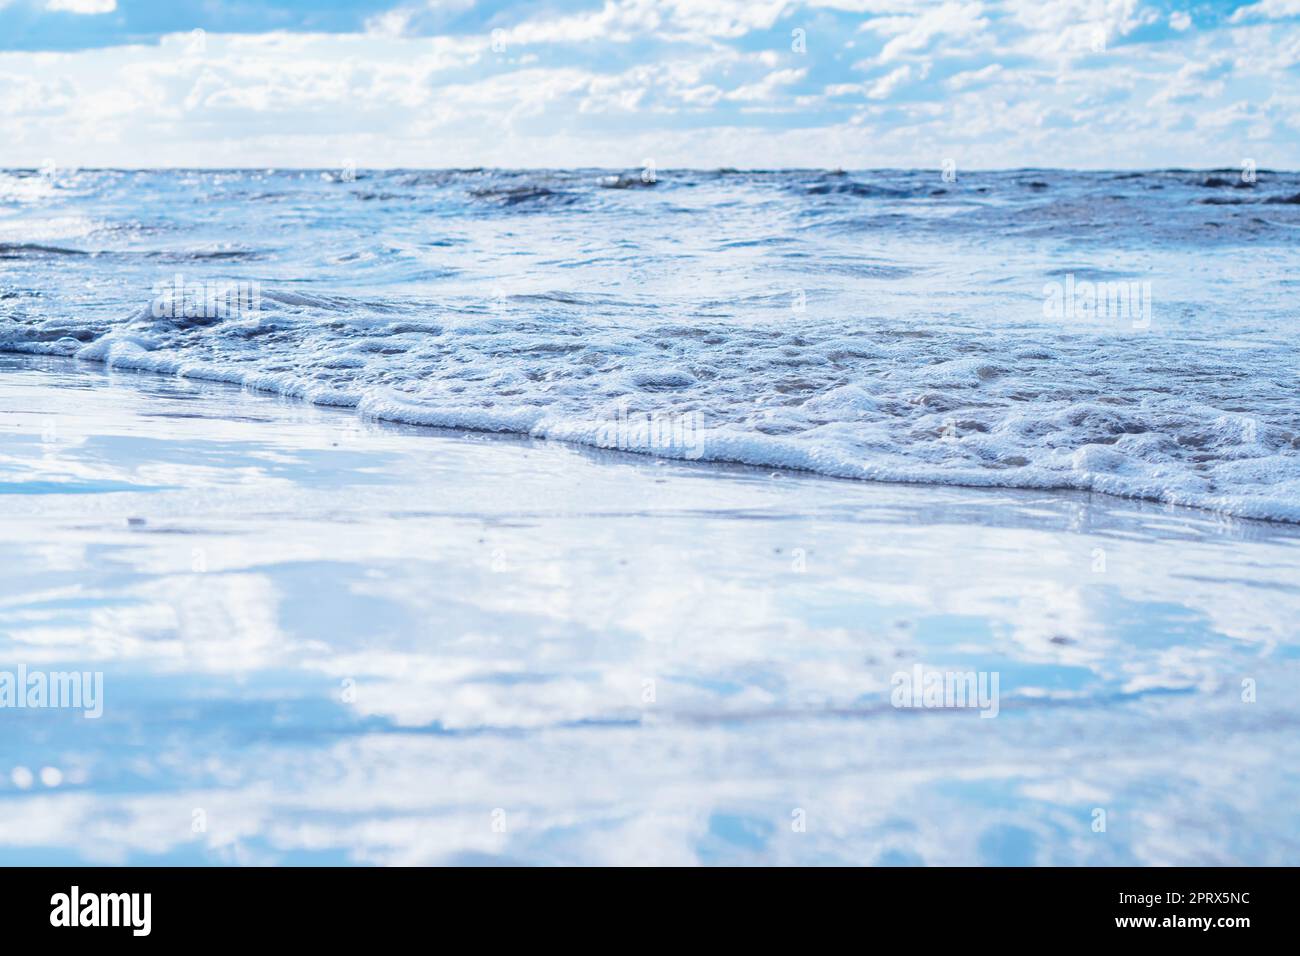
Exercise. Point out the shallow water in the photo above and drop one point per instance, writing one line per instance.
(325, 640)
(881, 325)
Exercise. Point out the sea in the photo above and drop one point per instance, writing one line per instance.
(1131, 333)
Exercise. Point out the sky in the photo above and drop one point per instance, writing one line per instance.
(623, 83)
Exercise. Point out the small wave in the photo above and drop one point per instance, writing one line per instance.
(32, 250)
(204, 255)
(518, 195)
(950, 407)
(857, 190)
(623, 181)
(25, 187)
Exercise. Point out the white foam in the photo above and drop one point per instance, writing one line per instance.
(1071, 414)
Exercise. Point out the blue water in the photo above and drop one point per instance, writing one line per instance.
(228, 562)
(879, 324)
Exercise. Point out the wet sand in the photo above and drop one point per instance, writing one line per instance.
(327, 640)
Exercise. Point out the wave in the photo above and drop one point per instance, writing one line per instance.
(880, 325)
(515, 195)
(1214, 428)
(34, 250)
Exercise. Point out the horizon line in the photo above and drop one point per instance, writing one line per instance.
(680, 169)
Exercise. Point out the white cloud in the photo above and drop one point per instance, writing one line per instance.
(971, 78)
(1011, 83)
(910, 34)
(620, 21)
(1073, 27)
(886, 85)
(1267, 10)
(767, 87)
(1194, 81)
(392, 23)
(81, 6)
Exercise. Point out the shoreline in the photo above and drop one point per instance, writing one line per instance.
(368, 415)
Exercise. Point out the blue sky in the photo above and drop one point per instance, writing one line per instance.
(745, 83)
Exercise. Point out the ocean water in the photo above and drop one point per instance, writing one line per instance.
(1127, 333)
